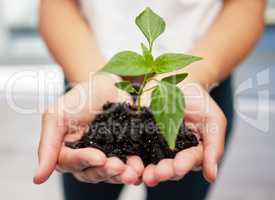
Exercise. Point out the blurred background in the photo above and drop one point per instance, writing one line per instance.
(248, 170)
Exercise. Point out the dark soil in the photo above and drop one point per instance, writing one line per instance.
(121, 131)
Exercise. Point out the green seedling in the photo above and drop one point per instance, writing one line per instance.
(167, 100)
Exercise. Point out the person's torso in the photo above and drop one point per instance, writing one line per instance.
(114, 23)
(186, 20)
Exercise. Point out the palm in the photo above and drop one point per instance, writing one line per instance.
(66, 121)
(207, 120)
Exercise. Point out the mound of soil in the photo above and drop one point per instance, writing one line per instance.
(120, 130)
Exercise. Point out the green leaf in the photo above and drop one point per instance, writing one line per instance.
(151, 25)
(127, 63)
(126, 86)
(175, 79)
(147, 55)
(173, 61)
(167, 106)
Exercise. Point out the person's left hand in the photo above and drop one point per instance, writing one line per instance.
(206, 118)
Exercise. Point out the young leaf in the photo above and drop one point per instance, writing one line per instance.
(127, 63)
(126, 86)
(147, 55)
(150, 24)
(175, 79)
(172, 61)
(167, 106)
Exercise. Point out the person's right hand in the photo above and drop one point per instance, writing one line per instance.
(66, 121)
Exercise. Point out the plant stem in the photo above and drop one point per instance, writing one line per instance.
(150, 47)
(140, 92)
(139, 103)
(144, 82)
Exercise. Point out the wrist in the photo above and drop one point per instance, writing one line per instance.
(192, 78)
(204, 74)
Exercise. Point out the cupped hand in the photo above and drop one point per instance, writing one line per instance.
(66, 121)
(205, 117)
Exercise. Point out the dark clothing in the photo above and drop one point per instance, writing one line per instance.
(192, 186)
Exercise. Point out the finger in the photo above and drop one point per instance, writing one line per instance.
(129, 176)
(90, 175)
(164, 170)
(213, 142)
(136, 163)
(72, 160)
(148, 176)
(53, 131)
(186, 160)
(113, 167)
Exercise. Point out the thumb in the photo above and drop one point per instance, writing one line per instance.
(53, 131)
